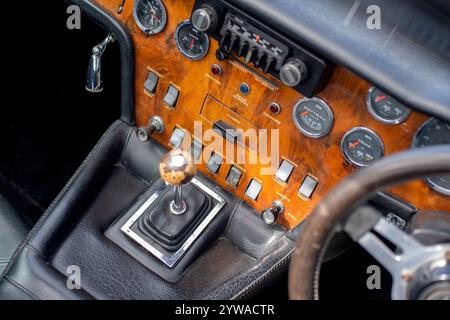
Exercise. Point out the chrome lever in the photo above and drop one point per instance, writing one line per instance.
(94, 81)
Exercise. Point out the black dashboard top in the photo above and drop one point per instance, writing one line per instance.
(408, 56)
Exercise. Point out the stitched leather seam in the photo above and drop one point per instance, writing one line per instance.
(20, 287)
(122, 166)
(238, 203)
(261, 278)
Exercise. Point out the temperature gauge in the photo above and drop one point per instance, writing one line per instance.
(192, 43)
(386, 109)
(362, 146)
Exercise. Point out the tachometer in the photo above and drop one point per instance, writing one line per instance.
(362, 146)
(193, 44)
(150, 15)
(385, 108)
(434, 132)
(313, 117)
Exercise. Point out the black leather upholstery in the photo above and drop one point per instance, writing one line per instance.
(236, 255)
(12, 232)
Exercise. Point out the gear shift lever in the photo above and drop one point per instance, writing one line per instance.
(177, 168)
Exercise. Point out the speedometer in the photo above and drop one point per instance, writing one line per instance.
(434, 132)
(150, 15)
(313, 117)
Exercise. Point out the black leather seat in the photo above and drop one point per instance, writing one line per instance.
(12, 231)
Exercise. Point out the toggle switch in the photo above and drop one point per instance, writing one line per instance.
(234, 176)
(214, 163)
(177, 138)
(308, 186)
(171, 97)
(284, 171)
(253, 189)
(151, 82)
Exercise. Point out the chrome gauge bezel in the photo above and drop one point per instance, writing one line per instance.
(433, 185)
(343, 149)
(182, 51)
(376, 116)
(305, 131)
(142, 26)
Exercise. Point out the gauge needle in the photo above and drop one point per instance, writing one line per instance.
(354, 144)
(380, 98)
(304, 113)
(192, 43)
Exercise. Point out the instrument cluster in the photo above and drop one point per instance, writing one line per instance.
(362, 146)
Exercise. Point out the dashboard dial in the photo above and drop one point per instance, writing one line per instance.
(150, 15)
(386, 109)
(362, 146)
(313, 117)
(434, 132)
(192, 43)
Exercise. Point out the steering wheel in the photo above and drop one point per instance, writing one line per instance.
(365, 225)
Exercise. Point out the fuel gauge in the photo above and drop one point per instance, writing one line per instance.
(362, 146)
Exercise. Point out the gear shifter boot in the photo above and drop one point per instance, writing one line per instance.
(170, 231)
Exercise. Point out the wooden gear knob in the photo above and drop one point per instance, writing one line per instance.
(177, 167)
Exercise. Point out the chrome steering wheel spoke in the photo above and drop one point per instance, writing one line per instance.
(409, 256)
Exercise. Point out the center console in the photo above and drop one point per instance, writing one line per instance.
(218, 248)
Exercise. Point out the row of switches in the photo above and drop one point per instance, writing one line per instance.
(172, 94)
(306, 189)
(254, 188)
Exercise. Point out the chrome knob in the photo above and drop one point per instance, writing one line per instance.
(177, 168)
(293, 72)
(155, 125)
(204, 18)
(271, 214)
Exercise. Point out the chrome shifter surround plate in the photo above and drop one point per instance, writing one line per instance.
(171, 260)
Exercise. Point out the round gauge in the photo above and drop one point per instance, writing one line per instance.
(192, 43)
(150, 15)
(386, 109)
(313, 117)
(434, 132)
(362, 146)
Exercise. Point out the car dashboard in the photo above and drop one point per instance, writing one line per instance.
(330, 122)
(248, 148)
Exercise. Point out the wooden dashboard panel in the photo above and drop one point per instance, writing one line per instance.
(320, 158)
